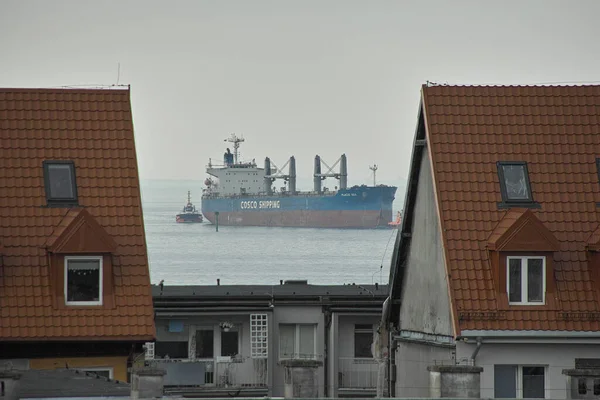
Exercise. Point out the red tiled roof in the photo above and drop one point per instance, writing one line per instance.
(93, 128)
(556, 130)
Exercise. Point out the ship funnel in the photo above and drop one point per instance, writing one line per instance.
(317, 174)
(268, 181)
(343, 172)
(292, 178)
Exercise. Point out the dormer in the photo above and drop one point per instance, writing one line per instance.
(593, 255)
(81, 262)
(521, 251)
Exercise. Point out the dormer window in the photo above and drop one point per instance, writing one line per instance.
(526, 280)
(83, 281)
(60, 184)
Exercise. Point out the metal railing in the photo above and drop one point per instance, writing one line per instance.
(186, 372)
(224, 372)
(357, 373)
(241, 372)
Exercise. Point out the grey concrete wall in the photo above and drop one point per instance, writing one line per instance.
(412, 360)
(297, 315)
(454, 381)
(425, 303)
(555, 357)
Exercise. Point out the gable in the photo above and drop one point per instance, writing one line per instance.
(521, 230)
(80, 233)
(593, 242)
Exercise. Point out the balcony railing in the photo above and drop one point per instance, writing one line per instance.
(357, 373)
(223, 372)
(241, 372)
(186, 372)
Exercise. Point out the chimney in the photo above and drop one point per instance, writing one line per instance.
(147, 383)
(296, 282)
(218, 282)
(9, 385)
(281, 281)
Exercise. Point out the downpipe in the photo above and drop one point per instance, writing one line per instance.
(476, 351)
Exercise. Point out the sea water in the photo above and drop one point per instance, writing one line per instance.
(196, 254)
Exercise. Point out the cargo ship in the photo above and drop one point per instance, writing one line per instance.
(189, 214)
(242, 194)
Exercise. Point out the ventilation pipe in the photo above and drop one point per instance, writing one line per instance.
(268, 181)
(343, 172)
(317, 175)
(292, 173)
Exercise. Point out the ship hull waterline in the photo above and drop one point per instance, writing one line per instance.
(305, 218)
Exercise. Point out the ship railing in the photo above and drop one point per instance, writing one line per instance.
(216, 195)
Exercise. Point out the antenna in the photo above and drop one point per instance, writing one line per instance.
(236, 145)
(374, 169)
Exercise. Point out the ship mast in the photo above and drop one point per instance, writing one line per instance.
(236, 145)
(189, 197)
(374, 169)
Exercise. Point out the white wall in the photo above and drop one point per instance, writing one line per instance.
(555, 357)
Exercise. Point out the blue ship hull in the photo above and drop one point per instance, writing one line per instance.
(357, 207)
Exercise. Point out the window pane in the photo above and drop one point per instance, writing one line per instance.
(204, 344)
(171, 349)
(83, 280)
(514, 284)
(362, 344)
(505, 381)
(229, 343)
(100, 372)
(287, 340)
(582, 386)
(515, 182)
(535, 280)
(60, 179)
(533, 383)
(307, 341)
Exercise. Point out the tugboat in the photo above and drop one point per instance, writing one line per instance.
(189, 213)
(396, 224)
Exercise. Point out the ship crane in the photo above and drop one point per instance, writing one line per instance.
(342, 175)
(273, 172)
(236, 145)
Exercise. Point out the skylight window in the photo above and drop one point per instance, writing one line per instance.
(514, 182)
(60, 184)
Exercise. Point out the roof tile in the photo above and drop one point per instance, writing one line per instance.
(94, 129)
(556, 130)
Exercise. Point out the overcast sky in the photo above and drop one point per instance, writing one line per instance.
(294, 77)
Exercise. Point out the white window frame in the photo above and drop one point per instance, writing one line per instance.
(519, 379)
(101, 283)
(259, 335)
(236, 328)
(371, 331)
(524, 288)
(98, 369)
(296, 354)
